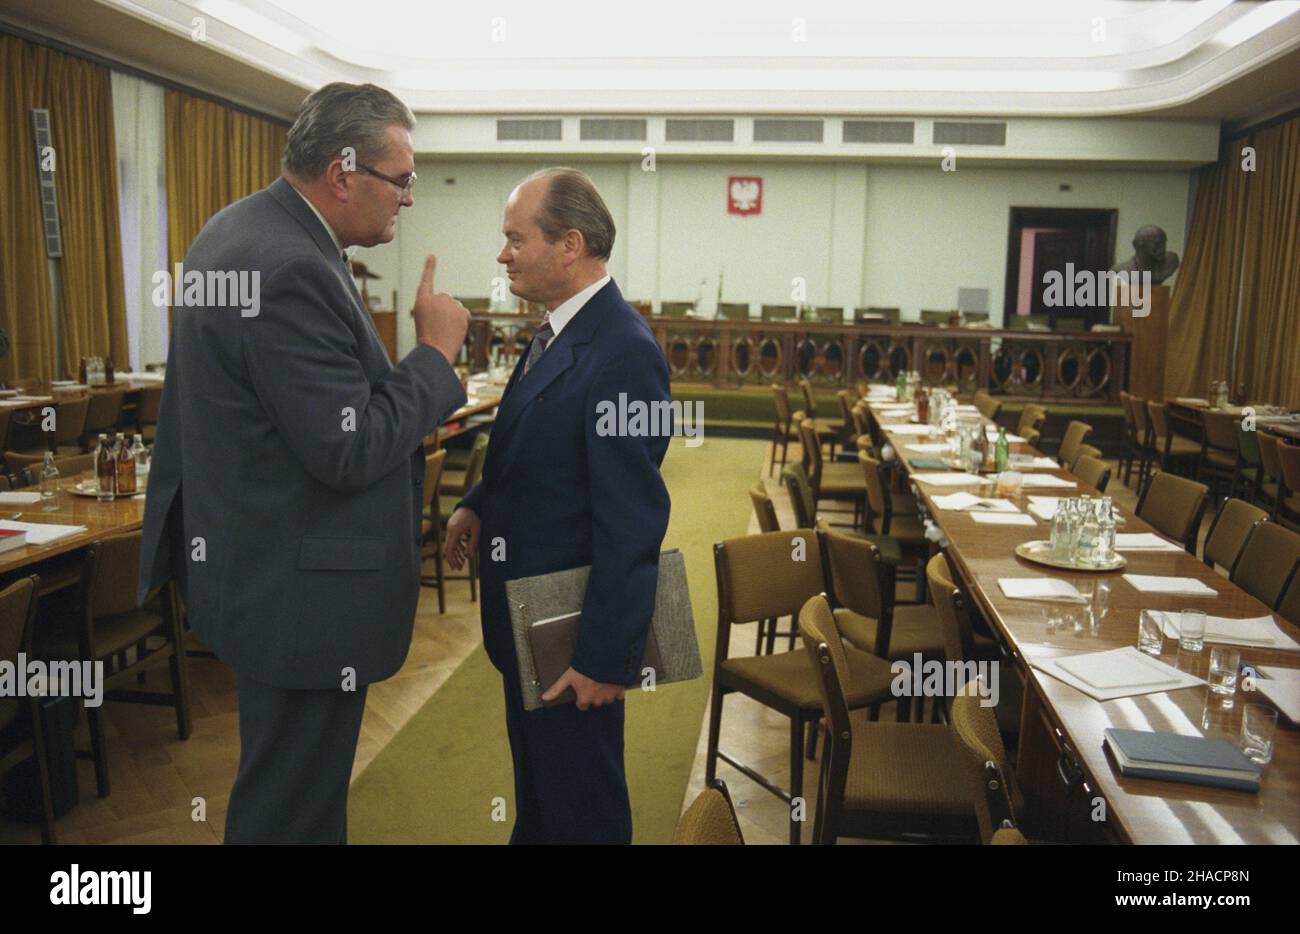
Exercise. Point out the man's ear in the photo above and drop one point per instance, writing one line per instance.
(575, 246)
(336, 181)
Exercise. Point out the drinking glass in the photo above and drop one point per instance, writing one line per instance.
(1224, 663)
(1191, 630)
(1150, 635)
(1258, 724)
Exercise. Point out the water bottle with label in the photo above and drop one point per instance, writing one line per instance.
(1089, 532)
(1106, 538)
(49, 477)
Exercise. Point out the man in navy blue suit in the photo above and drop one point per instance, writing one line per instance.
(559, 492)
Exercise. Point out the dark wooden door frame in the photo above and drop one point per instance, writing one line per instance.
(1106, 218)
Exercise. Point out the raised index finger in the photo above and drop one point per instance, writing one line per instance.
(430, 265)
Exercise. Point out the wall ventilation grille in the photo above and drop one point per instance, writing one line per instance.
(879, 131)
(952, 133)
(699, 131)
(787, 131)
(612, 129)
(528, 130)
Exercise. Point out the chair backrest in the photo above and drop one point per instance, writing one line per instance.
(1125, 405)
(954, 622)
(1288, 456)
(812, 453)
(1288, 606)
(1247, 446)
(104, 410)
(710, 820)
(1141, 418)
(763, 507)
(766, 576)
(1092, 471)
(477, 455)
(855, 574)
(1269, 460)
(1220, 430)
(1267, 562)
(781, 397)
(1075, 432)
(846, 407)
(825, 648)
(976, 729)
(70, 422)
(110, 573)
(1158, 421)
(150, 405)
(1082, 450)
(17, 611)
(1031, 436)
(796, 482)
(809, 402)
(1229, 530)
(879, 506)
(433, 464)
(1174, 505)
(1031, 418)
(988, 406)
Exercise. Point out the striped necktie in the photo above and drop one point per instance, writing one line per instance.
(540, 341)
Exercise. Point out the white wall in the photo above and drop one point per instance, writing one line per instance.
(890, 235)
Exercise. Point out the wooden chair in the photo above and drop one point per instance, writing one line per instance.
(895, 516)
(1174, 506)
(1080, 451)
(1267, 562)
(1032, 418)
(1229, 530)
(431, 524)
(829, 430)
(997, 796)
(833, 480)
(458, 482)
(22, 727)
(1031, 436)
(1142, 431)
(763, 508)
(1288, 456)
(103, 413)
(105, 624)
(1249, 464)
(1218, 457)
(26, 468)
(1075, 433)
(767, 577)
(1271, 487)
(1093, 471)
(1164, 448)
(1288, 605)
(786, 427)
(710, 820)
(880, 780)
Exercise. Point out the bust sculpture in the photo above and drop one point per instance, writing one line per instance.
(1150, 255)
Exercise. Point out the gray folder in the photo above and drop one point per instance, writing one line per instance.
(545, 612)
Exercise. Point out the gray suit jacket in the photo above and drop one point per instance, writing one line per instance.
(284, 494)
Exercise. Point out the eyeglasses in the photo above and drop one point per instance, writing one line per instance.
(406, 186)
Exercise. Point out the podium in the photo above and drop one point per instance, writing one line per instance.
(1150, 346)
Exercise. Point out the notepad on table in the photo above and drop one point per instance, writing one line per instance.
(1002, 518)
(1036, 481)
(1184, 586)
(964, 500)
(1042, 463)
(1116, 673)
(19, 498)
(1282, 687)
(909, 429)
(42, 533)
(1256, 631)
(1040, 588)
(1143, 541)
(947, 479)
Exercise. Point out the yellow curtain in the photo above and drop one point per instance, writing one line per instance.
(93, 302)
(215, 156)
(1203, 306)
(1270, 335)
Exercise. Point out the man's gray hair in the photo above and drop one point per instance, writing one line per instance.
(573, 203)
(340, 115)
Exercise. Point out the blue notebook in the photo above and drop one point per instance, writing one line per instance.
(1197, 760)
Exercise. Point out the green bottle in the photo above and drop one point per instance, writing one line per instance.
(900, 385)
(1001, 451)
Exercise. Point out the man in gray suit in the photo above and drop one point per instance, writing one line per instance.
(285, 490)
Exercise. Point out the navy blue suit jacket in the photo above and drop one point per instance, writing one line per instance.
(558, 494)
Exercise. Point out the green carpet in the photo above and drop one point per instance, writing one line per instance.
(436, 781)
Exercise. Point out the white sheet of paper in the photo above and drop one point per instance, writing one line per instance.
(1184, 586)
(1043, 463)
(964, 500)
(19, 498)
(1045, 481)
(1002, 518)
(1051, 589)
(1257, 631)
(908, 429)
(1143, 541)
(42, 533)
(1099, 663)
(1282, 687)
(1115, 669)
(947, 479)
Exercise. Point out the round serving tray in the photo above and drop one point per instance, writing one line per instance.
(1040, 552)
(91, 488)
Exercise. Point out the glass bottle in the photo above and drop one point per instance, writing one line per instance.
(141, 457)
(1106, 542)
(125, 467)
(1002, 451)
(105, 470)
(49, 477)
(900, 387)
(1089, 532)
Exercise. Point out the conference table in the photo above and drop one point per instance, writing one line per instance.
(1067, 777)
(1189, 411)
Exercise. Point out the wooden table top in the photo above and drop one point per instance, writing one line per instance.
(1141, 810)
(100, 520)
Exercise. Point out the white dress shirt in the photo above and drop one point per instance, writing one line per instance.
(338, 247)
(564, 313)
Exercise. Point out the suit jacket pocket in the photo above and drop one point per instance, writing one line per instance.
(341, 553)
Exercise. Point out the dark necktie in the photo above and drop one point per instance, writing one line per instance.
(540, 340)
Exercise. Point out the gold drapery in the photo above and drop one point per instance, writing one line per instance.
(215, 156)
(1242, 274)
(78, 95)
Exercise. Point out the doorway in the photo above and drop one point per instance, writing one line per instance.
(1043, 240)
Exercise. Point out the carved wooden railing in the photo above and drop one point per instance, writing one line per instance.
(734, 354)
